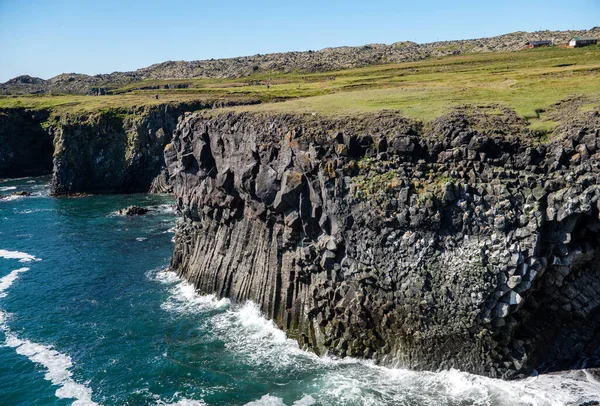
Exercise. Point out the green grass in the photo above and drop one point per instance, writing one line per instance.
(525, 81)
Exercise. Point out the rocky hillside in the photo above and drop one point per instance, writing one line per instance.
(465, 244)
(310, 61)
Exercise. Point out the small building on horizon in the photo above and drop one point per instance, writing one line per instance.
(577, 42)
(537, 44)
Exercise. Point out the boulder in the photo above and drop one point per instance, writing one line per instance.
(133, 211)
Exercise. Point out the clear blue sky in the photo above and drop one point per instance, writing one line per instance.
(47, 37)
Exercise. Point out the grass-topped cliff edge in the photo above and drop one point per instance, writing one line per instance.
(528, 82)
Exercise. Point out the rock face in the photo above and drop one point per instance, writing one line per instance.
(114, 151)
(372, 237)
(25, 145)
(161, 184)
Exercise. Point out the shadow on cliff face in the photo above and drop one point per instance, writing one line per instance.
(90, 154)
(561, 318)
(26, 148)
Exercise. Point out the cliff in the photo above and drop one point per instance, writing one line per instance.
(113, 151)
(25, 145)
(468, 243)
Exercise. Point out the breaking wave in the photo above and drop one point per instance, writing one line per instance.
(57, 365)
(21, 256)
(348, 381)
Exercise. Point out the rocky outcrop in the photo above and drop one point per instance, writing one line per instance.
(161, 184)
(328, 59)
(133, 211)
(25, 145)
(454, 245)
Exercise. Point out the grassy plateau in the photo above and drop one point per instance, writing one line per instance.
(528, 82)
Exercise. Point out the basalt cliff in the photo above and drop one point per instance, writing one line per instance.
(469, 242)
(114, 150)
(465, 244)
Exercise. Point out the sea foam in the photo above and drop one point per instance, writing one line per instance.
(268, 400)
(57, 365)
(350, 381)
(9, 279)
(182, 295)
(21, 256)
(184, 402)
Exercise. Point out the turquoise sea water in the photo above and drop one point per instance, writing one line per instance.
(89, 317)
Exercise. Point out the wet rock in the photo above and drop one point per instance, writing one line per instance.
(21, 193)
(132, 211)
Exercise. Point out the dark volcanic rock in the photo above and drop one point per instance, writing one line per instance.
(116, 151)
(366, 237)
(133, 211)
(21, 193)
(161, 184)
(25, 146)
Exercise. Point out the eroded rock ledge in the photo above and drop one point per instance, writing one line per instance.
(459, 245)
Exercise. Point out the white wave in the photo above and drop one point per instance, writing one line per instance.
(7, 188)
(57, 365)
(8, 280)
(163, 276)
(252, 320)
(246, 332)
(184, 402)
(184, 299)
(21, 256)
(58, 369)
(30, 211)
(305, 401)
(163, 208)
(267, 400)
(10, 198)
(170, 230)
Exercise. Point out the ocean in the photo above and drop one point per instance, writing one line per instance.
(89, 316)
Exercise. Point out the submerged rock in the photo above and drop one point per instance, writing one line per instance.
(21, 193)
(133, 211)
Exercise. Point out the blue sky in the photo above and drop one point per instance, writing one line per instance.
(47, 37)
